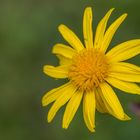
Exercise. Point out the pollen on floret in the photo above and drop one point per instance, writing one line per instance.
(89, 68)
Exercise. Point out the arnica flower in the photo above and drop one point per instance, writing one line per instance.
(92, 71)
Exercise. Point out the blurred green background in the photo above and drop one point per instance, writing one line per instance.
(28, 30)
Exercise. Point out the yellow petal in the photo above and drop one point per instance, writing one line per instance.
(104, 107)
(63, 60)
(52, 95)
(56, 72)
(110, 32)
(89, 110)
(100, 103)
(124, 67)
(124, 86)
(70, 37)
(111, 101)
(125, 76)
(101, 29)
(61, 100)
(87, 27)
(124, 51)
(63, 50)
(71, 108)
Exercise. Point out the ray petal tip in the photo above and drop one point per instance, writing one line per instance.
(61, 26)
(55, 48)
(42, 102)
(124, 15)
(92, 130)
(112, 9)
(88, 8)
(64, 126)
(49, 118)
(126, 117)
(45, 67)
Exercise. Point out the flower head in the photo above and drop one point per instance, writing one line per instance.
(92, 71)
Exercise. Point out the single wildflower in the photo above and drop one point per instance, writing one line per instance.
(92, 71)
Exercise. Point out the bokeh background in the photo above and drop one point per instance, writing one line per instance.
(28, 30)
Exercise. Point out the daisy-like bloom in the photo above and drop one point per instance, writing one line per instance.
(92, 71)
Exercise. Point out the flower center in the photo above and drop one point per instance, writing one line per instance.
(89, 68)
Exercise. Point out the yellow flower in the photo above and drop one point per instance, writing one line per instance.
(91, 71)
